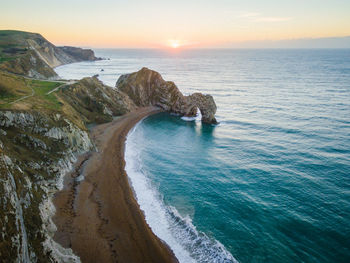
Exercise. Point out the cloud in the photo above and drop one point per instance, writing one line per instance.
(272, 19)
(258, 17)
(249, 14)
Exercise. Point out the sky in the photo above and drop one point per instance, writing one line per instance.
(178, 23)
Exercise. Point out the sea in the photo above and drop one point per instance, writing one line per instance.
(270, 182)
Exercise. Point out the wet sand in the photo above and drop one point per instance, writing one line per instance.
(99, 217)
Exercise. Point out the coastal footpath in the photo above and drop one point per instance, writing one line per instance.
(65, 194)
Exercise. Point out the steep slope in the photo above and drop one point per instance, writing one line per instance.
(43, 127)
(30, 54)
(18, 92)
(94, 101)
(36, 150)
(30, 65)
(79, 54)
(37, 147)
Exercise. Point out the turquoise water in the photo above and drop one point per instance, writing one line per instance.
(271, 182)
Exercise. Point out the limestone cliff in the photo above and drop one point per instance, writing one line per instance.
(206, 105)
(147, 87)
(37, 147)
(79, 54)
(29, 65)
(43, 126)
(36, 150)
(30, 54)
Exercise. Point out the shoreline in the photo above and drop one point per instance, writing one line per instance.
(98, 217)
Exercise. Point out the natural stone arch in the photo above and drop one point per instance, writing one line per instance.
(206, 105)
(147, 87)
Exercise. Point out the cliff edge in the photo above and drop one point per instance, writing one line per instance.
(44, 126)
(31, 55)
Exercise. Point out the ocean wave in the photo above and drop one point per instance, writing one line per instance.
(200, 246)
(187, 243)
(188, 118)
(196, 118)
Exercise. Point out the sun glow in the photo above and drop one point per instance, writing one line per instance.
(174, 43)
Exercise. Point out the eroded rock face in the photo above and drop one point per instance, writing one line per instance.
(30, 65)
(206, 105)
(80, 54)
(96, 102)
(34, 56)
(36, 150)
(147, 88)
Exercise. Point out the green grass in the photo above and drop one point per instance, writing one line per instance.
(6, 44)
(15, 87)
(11, 88)
(41, 89)
(6, 33)
(6, 58)
(7, 98)
(12, 39)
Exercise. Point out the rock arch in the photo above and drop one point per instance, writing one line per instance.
(147, 87)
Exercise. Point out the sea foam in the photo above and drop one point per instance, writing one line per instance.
(187, 243)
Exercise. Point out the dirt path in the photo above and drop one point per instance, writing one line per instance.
(30, 78)
(99, 217)
(70, 82)
(25, 97)
(33, 91)
(64, 83)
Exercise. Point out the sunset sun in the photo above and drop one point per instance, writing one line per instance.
(174, 131)
(174, 43)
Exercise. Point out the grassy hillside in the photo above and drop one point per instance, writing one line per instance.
(18, 56)
(25, 54)
(95, 102)
(14, 87)
(86, 101)
(40, 132)
(31, 55)
(13, 44)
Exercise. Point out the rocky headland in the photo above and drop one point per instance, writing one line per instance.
(30, 54)
(147, 88)
(43, 131)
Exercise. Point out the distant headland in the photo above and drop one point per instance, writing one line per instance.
(45, 145)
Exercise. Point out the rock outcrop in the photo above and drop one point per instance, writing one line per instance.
(95, 102)
(29, 65)
(206, 105)
(37, 147)
(36, 150)
(147, 87)
(79, 54)
(41, 135)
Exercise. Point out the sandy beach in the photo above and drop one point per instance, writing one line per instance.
(99, 217)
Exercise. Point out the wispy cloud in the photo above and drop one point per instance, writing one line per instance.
(272, 19)
(258, 17)
(249, 14)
